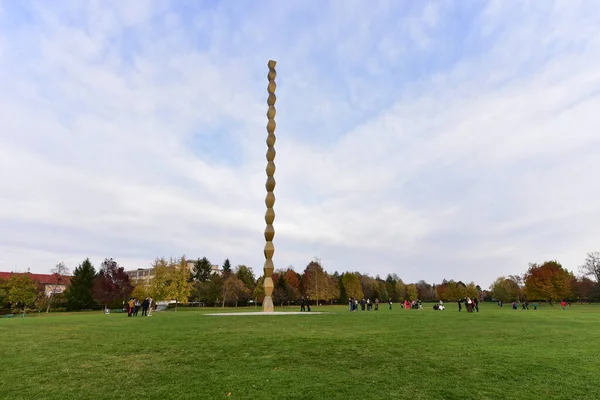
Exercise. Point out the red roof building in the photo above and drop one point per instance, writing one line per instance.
(52, 282)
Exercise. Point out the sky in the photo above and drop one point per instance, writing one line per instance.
(435, 140)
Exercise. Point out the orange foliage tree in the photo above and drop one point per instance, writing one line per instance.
(549, 281)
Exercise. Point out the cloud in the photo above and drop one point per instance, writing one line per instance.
(433, 140)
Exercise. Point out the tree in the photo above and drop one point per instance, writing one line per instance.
(58, 275)
(172, 280)
(292, 281)
(226, 267)
(583, 288)
(412, 292)
(202, 269)
(79, 292)
(22, 290)
(234, 289)
(3, 292)
(315, 281)
(549, 281)
(259, 290)
(591, 266)
(505, 289)
(352, 286)
(246, 275)
(111, 284)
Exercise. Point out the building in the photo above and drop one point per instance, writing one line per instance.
(143, 276)
(53, 283)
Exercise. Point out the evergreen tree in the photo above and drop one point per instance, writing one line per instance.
(226, 267)
(202, 269)
(79, 292)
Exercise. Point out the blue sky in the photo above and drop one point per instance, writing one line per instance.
(434, 140)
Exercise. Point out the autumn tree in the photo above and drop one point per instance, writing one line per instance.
(79, 292)
(202, 269)
(259, 290)
(111, 284)
(246, 275)
(591, 266)
(172, 280)
(583, 288)
(234, 290)
(352, 286)
(549, 281)
(369, 285)
(316, 283)
(292, 281)
(412, 292)
(505, 289)
(58, 277)
(3, 292)
(22, 291)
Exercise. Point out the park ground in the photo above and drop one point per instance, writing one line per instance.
(399, 354)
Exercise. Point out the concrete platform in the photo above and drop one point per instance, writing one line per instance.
(266, 313)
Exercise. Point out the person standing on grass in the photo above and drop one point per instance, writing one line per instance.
(130, 307)
(563, 304)
(302, 304)
(377, 304)
(136, 307)
(390, 302)
(476, 303)
(145, 307)
(150, 306)
(308, 304)
(459, 305)
(534, 306)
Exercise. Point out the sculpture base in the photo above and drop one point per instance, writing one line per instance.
(268, 304)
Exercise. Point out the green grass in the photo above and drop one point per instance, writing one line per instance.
(495, 354)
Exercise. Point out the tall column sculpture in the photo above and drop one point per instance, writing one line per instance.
(270, 186)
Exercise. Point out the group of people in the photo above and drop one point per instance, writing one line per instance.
(364, 304)
(304, 304)
(134, 305)
(472, 305)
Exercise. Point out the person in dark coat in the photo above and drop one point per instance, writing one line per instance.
(145, 307)
(302, 304)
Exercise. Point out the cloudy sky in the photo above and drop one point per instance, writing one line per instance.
(434, 140)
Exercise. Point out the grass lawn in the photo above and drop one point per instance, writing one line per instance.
(495, 354)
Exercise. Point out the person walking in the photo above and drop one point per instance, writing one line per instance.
(302, 304)
(390, 302)
(377, 304)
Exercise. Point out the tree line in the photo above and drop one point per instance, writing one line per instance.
(110, 286)
(550, 281)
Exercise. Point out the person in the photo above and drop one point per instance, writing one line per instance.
(563, 304)
(307, 303)
(145, 307)
(350, 304)
(362, 304)
(476, 303)
(534, 306)
(376, 304)
(130, 305)
(514, 305)
(136, 307)
(459, 305)
(151, 305)
(525, 305)
(390, 302)
(107, 311)
(302, 304)
(368, 304)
